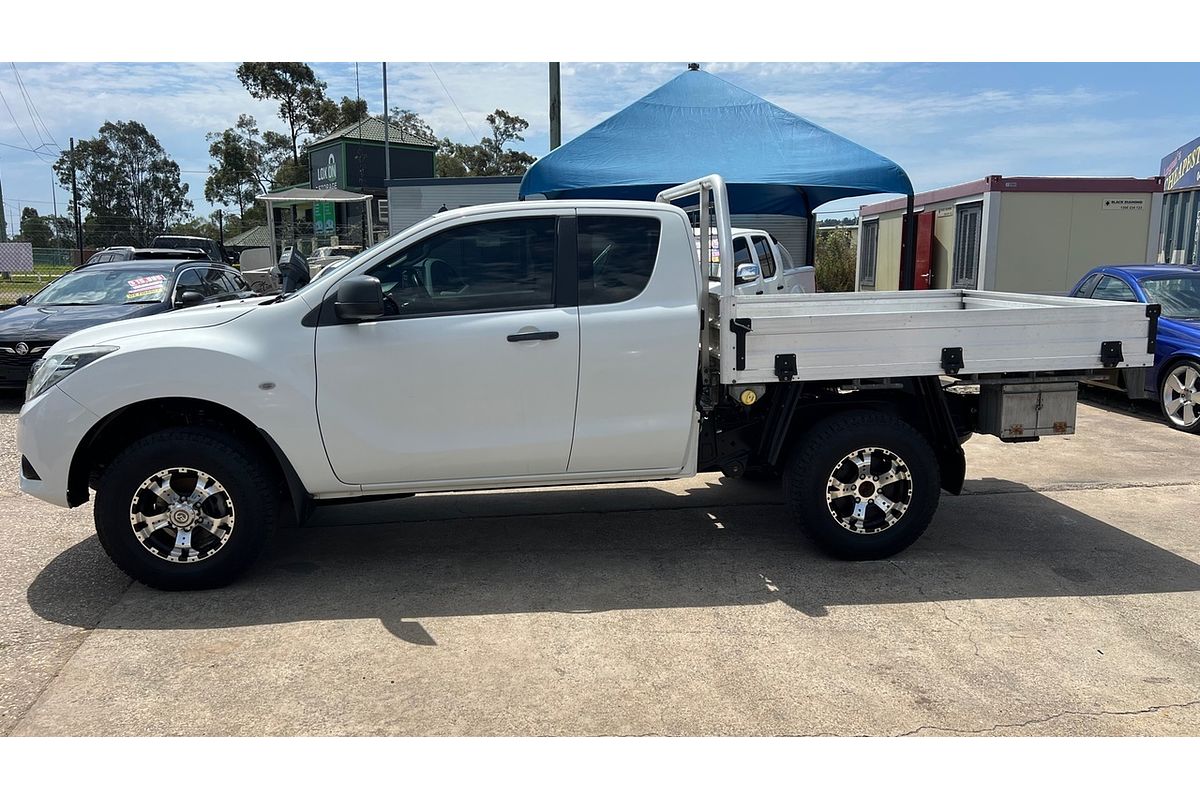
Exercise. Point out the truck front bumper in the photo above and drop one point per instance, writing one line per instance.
(49, 431)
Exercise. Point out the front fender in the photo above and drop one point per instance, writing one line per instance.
(273, 391)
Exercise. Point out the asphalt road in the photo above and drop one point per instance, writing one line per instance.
(1057, 596)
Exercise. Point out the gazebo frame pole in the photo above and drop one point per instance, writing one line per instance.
(271, 231)
(908, 248)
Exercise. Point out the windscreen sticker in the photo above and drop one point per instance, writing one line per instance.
(145, 286)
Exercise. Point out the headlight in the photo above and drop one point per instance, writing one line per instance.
(52, 369)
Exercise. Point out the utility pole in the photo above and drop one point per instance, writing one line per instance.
(555, 107)
(3, 221)
(221, 226)
(387, 132)
(75, 202)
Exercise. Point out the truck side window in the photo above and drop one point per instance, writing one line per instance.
(1085, 289)
(741, 252)
(766, 261)
(497, 265)
(616, 257)
(1110, 288)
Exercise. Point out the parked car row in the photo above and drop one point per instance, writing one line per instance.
(105, 292)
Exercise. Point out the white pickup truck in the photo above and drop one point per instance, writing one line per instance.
(763, 265)
(489, 347)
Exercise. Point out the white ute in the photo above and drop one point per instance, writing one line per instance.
(762, 264)
(492, 347)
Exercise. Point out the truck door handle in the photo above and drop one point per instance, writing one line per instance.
(533, 336)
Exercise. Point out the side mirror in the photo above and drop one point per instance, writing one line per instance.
(746, 273)
(24, 299)
(186, 299)
(359, 298)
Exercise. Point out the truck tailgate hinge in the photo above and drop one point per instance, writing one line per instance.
(1110, 354)
(785, 366)
(952, 360)
(740, 326)
(1153, 312)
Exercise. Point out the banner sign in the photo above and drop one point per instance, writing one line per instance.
(323, 218)
(1181, 169)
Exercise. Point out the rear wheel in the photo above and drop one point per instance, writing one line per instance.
(185, 509)
(863, 485)
(1179, 396)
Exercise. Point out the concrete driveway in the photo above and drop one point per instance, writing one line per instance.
(1059, 595)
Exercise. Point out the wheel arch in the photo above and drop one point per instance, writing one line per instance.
(1171, 361)
(923, 405)
(136, 420)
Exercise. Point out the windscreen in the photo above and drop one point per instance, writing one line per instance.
(105, 287)
(1179, 296)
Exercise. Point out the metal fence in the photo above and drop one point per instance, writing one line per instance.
(48, 264)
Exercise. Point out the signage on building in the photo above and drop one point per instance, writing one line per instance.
(326, 169)
(323, 218)
(1181, 169)
(1123, 204)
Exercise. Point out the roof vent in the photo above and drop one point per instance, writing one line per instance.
(693, 66)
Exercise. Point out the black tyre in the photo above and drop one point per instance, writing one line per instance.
(1179, 395)
(863, 485)
(186, 508)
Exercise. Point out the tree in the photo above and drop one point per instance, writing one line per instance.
(835, 260)
(410, 122)
(295, 86)
(35, 229)
(329, 116)
(241, 165)
(127, 181)
(489, 157)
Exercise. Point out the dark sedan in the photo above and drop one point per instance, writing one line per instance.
(100, 293)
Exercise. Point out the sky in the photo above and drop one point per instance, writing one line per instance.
(943, 123)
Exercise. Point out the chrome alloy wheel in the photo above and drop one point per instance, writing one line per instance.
(869, 490)
(181, 515)
(1181, 395)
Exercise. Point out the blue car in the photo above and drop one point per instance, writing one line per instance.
(1175, 377)
(106, 292)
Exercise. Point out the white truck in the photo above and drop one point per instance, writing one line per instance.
(762, 264)
(487, 348)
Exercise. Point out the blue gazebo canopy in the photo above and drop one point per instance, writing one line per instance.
(773, 161)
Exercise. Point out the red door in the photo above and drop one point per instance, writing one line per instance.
(923, 278)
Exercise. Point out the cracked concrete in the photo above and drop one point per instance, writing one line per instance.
(1057, 597)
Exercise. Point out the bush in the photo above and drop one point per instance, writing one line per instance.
(836, 249)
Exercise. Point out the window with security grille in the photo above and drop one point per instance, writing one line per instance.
(967, 236)
(870, 251)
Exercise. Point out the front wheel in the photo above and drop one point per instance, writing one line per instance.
(185, 508)
(863, 485)
(1179, 396)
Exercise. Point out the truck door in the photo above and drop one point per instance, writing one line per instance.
(473, 371)
(639, 330)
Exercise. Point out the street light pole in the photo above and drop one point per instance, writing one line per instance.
(555, 107)
(75, 202)
(387, 132)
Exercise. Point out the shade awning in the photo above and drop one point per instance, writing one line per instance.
(304, 195)
(773, 161)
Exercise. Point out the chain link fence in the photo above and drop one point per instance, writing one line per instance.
(20, 276)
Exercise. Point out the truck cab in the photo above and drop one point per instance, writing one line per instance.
(763, 264)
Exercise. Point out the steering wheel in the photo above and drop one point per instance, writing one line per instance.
(408, 289)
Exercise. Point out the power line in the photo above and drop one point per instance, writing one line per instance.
(34, 115)
(18, 147)
(456, 108)
(20, 130)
